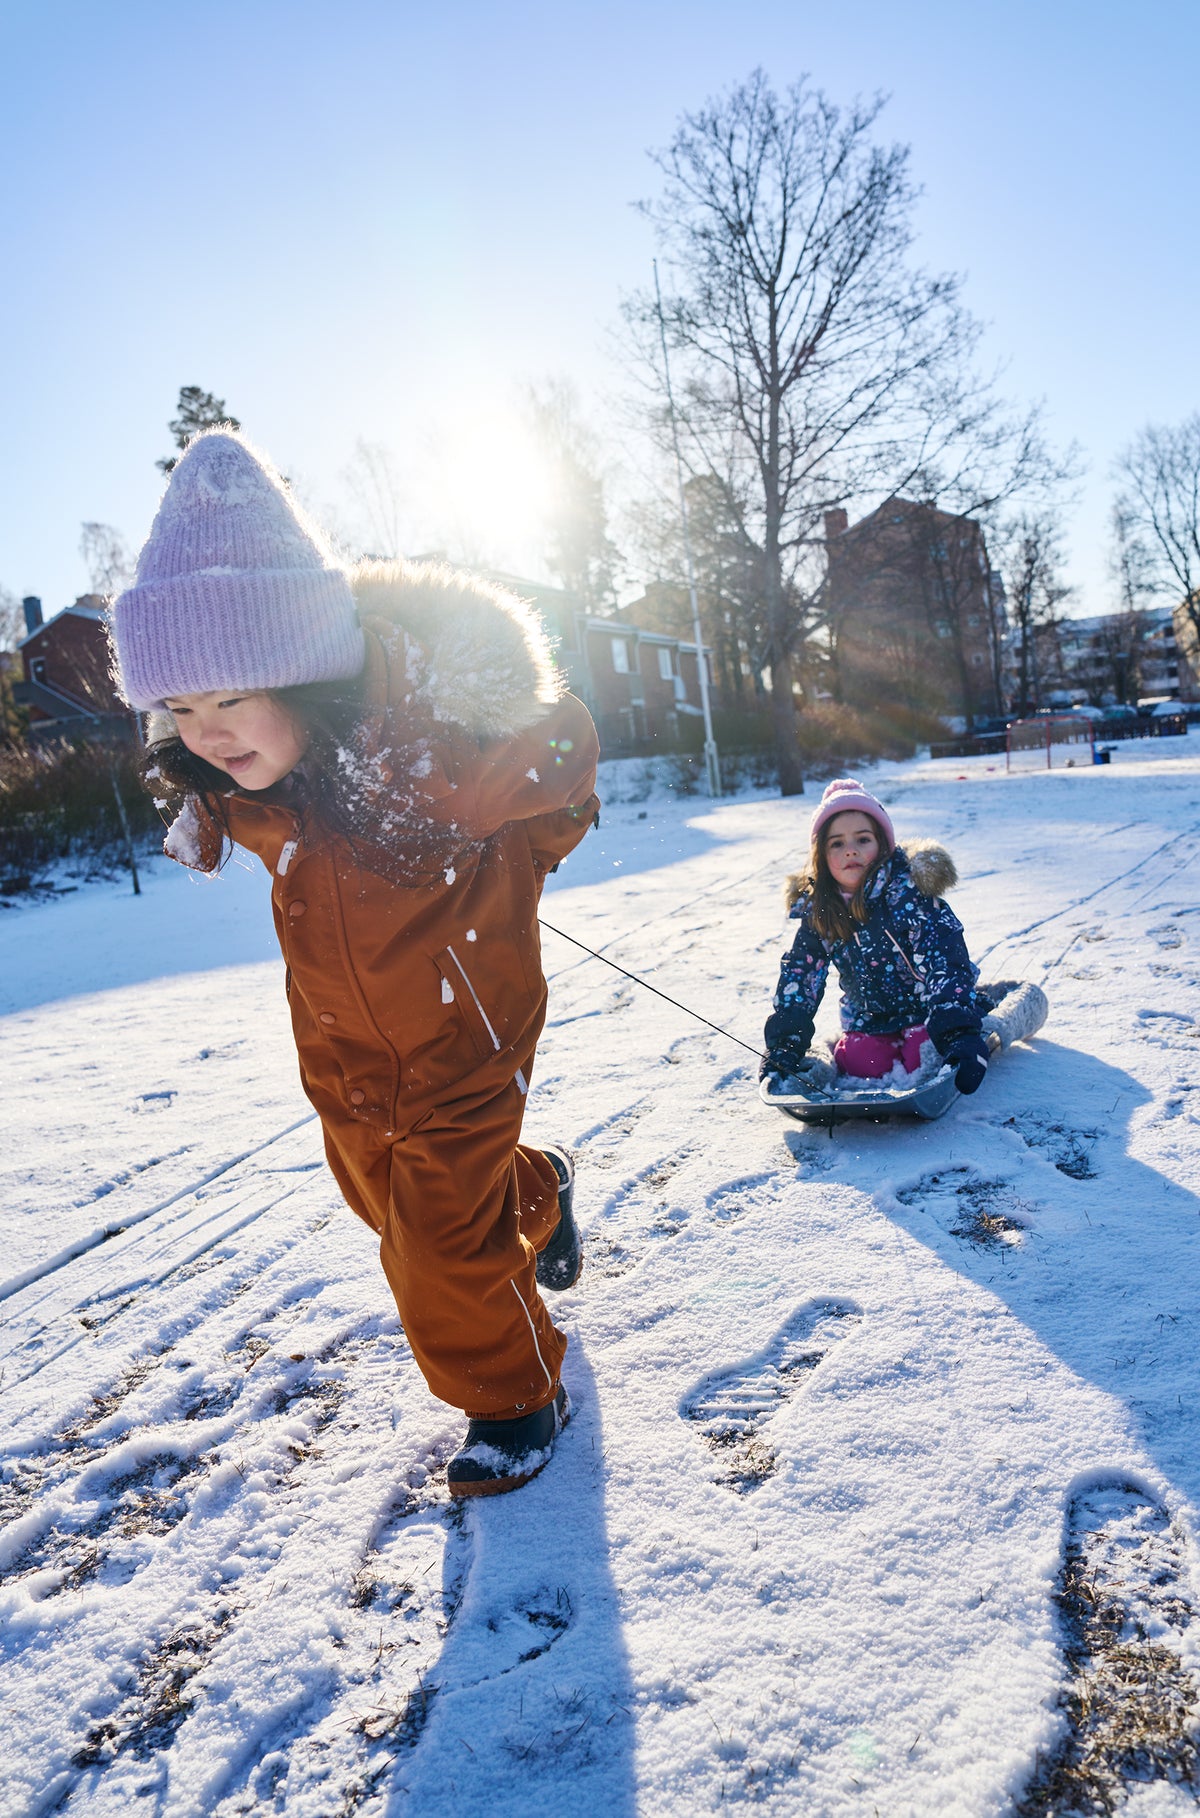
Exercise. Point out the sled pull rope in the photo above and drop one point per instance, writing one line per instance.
(591, 951)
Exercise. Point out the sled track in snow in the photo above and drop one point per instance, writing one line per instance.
(1169, 872)
(62, 1259)
(70, 1304)
(160, 1529)
(165, 1719)
(666, 915)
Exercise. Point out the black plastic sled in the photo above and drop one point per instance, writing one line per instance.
(825, 1096)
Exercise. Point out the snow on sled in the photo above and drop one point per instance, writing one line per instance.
(825, 1096)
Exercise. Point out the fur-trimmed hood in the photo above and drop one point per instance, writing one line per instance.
(931, 868)
(929, 865)
(478, 653)
(486, 662)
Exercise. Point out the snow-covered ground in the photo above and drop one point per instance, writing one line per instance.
(834, 1395)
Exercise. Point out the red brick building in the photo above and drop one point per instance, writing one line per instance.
(66, 686)
(916, 616)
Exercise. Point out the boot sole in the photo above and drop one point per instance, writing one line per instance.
(560, 1287)
(494, 1486)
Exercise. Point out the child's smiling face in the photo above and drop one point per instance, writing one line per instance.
(249, 736)
(851, 848)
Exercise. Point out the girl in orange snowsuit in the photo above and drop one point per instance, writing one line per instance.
(400, 756)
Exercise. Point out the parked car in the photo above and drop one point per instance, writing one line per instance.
(982, 728)
(1118, 711)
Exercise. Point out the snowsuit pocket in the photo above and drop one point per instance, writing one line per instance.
(458, 991)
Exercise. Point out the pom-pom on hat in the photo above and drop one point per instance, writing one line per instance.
(845, 795)
(234, 588)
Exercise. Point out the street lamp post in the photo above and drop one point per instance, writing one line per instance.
(712, 761)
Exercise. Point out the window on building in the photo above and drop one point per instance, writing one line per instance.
(620, 653)
(664, 662)
(37, 669)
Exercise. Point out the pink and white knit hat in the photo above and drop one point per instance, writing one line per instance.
(234, 588)
(845, 795)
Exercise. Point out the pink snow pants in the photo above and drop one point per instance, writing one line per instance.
(871, 1056)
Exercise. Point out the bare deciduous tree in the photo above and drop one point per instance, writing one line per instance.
(1118, 643)
(1130, 562)
(1159, 475)
(12, 620)
(799, 323)
(581, 553)
(1032, 575)
(371, 478)
(12, 630)
(727, 566)
(106, 558)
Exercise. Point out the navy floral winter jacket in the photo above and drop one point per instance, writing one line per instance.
(907, 964)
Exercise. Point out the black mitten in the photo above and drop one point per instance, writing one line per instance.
(787, 1034)
(968, 1055)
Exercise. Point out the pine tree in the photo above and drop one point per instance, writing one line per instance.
(197, 410)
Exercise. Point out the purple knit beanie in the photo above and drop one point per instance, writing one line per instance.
(847, 796)
(234, 589)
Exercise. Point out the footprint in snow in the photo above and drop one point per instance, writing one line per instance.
(1069, 1149)
(688, 1048)
(986, 1213)
(509, 1638)
(635, 1218)
(737, 1197)
(733, 1405)
(1126, 1614)
(117, 1507)
(405, 1647)
(1168, 1029)
(611, 1130)
(155, 1101)
(812, 1155)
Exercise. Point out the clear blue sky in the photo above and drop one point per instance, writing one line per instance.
(380, 219)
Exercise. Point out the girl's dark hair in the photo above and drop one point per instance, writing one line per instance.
(328, 785)
(833, 917)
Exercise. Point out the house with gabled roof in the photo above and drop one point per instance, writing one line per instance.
(67, 686)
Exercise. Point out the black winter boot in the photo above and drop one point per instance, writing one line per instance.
(499, 1455)
(560, 1263)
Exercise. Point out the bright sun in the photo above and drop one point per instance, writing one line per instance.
(475, 485)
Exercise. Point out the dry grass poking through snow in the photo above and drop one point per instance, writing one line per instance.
(1131, 1705)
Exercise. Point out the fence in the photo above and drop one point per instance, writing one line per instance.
(994, 744)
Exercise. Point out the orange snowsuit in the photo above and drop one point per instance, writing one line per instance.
(417, 1006)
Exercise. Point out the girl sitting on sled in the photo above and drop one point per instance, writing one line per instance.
(876, 912)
